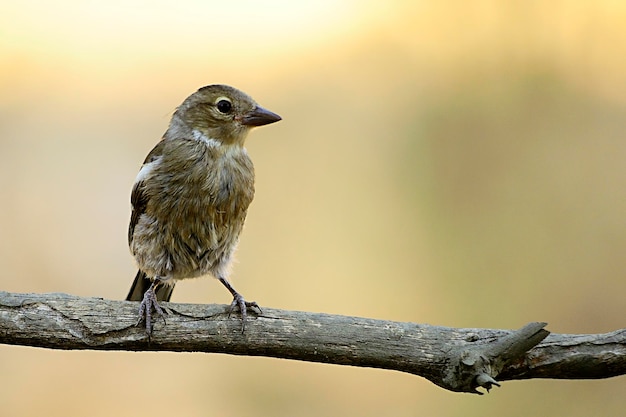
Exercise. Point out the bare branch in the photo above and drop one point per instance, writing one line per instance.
(455, 359)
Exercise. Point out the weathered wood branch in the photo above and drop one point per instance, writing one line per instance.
(455, 359)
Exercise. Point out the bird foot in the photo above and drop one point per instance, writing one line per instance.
(243, 306)
(148, 303)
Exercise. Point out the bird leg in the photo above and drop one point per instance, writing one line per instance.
(239, 303)
(148, 303)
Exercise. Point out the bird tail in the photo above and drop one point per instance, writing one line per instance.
(141, 285)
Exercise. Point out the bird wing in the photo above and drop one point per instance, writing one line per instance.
(138, 196)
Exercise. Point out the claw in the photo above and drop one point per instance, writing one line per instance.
(240, 303)
(243, 306)
(148, 303)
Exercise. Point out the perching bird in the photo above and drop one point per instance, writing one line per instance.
(191, 196)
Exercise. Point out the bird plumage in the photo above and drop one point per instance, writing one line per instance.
(191, 196)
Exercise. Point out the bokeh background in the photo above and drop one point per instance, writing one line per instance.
(445, 162)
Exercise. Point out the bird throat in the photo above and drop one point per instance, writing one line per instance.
(201, 137)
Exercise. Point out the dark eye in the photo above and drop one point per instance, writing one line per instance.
(224, 106)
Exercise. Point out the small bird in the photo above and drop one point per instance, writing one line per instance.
(191, 196)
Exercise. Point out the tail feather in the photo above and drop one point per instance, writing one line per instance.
(141, 285)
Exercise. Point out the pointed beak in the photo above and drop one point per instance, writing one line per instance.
(259, 117)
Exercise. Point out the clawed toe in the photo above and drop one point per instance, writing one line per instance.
(148, 303)
(239, 303)
(242, 305)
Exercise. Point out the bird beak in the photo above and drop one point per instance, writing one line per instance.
(259, 117)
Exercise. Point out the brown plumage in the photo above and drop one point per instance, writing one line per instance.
(192, 194)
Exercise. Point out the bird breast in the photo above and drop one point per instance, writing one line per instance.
(198, 197)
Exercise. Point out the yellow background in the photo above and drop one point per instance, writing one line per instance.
(444, 162)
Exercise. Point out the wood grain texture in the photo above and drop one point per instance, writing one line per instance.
(455, 359)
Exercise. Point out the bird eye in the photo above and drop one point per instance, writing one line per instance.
(224, 106)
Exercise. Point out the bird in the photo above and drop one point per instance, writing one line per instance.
(191, 196)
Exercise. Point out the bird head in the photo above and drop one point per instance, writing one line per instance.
(222, 113)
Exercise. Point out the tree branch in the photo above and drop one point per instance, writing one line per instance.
(455, 359)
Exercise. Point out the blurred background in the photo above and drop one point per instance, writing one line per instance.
(452, 163)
